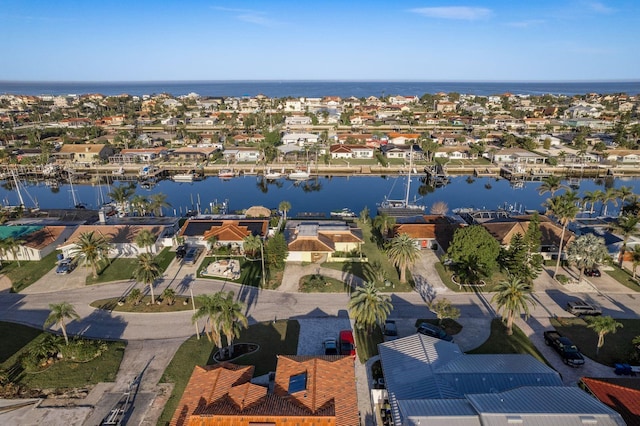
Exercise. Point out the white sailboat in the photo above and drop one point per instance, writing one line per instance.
(300, 174)
(402, 208)
(271, 175)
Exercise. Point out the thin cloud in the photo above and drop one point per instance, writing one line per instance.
(526, 24)
(598, 7)
(454, 12)
(250, 16)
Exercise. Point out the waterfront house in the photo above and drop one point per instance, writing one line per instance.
(432, 381)
(518, 156)
(403, 138)
(83, 153)
(241, 154)
(350, 151)
(434, 232)
(319, 241)
(191, 153)
(37, 241)
(121, 239)
(138, 155)
(224, 231)
(304, 390)
(623, 155)
(454, 153)
(300, 139)
(297, 120)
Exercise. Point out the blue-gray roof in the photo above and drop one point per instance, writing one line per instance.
(443, 412)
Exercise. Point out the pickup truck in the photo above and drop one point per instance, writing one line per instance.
(567, 350)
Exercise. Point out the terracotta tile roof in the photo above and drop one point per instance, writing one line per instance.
(90, 148)
(309, 244)
(620, 398)
(222, 395)
(341, 236)
(228, 231)
(42, 238)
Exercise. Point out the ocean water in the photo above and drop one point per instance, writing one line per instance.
(279, 89)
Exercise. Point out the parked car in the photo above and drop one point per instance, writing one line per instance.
(191, 256)
(330, 346)
(434, 331)
(347, 344)
(592, 272)
(181, 250)
(568, 351)
(579, 307)
(65, 266)
(390, 329)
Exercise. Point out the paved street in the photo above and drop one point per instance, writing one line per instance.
(153, 338)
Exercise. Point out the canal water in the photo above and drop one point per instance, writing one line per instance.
(321, 195)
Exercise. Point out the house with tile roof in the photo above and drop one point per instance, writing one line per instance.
(37, 241)
(621, 394)
(350, 151)
(313, 241)
(121, 239)
(306, 390)
(227, 232)
(84, 153)
(432, 382)
(429, 231)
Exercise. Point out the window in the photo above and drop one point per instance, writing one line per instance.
(298, 383)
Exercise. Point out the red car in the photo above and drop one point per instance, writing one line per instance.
(347, 344)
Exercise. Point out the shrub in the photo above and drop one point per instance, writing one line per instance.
(562, 279)
(135, 296)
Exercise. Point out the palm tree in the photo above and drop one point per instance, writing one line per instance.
(513, 296)
(59, 313)
(383, 223)
(626, 226)
(586, 251)
(231, 319)
(147, 271)
(169, 295)
(368, 307)
(284, 207)
(92, 248)
(635, 259)
(603, 326)
(12, 245)
(609, 195)
(590, 197)
(365, 215)
(403, 252)
(439, 208)
(145, 238)
(121, 195)
(598, 196)
(157, 202)
(624, 192)
(140, 204)
(565, 209)
(251, 244)
(551, 184)
(210, 308)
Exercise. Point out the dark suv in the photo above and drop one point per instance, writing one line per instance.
(592, 272)
(191, 256)
(181, 251)
(434, 331)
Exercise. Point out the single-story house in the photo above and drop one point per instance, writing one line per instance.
(429, 231)
(36, 241)
(242, 154)
(314, 241)
(121, 239)
(432, 381)
(297, 120)
(301, 139)
(199, 153)
(623, 155)
(305, 390)
(351, 151)
(226, 232)
(518, 156)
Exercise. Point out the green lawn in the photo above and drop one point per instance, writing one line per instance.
(617, 347)
(18, 340)
(250, 271)
(491, 282)
(624, 277)
(500, 343)
(28, 272)
(276, 338)
(375, 255)
(318, 283)
(121, 269)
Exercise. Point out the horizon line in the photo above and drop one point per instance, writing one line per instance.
(621, 80)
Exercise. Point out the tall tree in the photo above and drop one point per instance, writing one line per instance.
(284, 207)
(474, 253)
(140, 204)
(551, 184)
(365, 215)
(603, 326)
(367, 306)
(513, 297)
(12, 245)
(231, 318)
(590, 198)
(92, 249)
(383, 223)
(276, 251)
(147, 271)
(251, 244)
(146, 239)
(565, 210)
(403, 252)
(444, 309)
(610, 195)
(157, 202)
(625, 226)
(624, 193)
(586, 251)
(60, 312)
(210, 308)
(121, 195)
(635, 259)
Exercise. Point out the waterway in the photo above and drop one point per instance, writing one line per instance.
(321, 195)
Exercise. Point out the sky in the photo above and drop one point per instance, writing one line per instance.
(362, 40)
